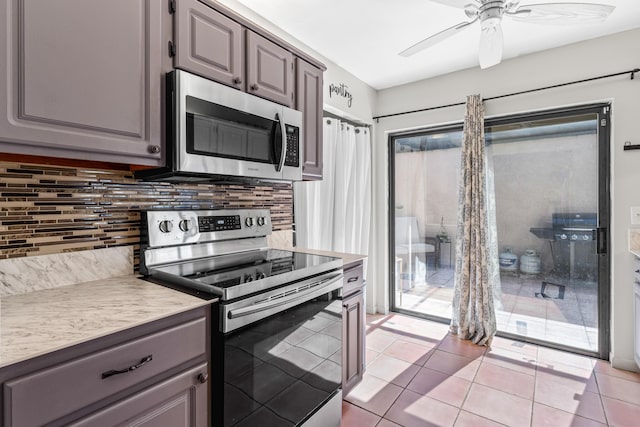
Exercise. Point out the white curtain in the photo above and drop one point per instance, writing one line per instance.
(334, 214)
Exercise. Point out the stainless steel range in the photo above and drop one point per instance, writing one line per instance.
(277, 325)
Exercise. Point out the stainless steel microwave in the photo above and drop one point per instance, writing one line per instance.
(217, 133)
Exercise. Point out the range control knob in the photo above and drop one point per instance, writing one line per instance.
(166, 226)
(563, 236)
(574, 237)
(261, 221)
(248, 278)
(249, 221)
(185, 225)
(585, 237)
(260, 275)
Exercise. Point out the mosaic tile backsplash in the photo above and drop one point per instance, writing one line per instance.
(52, 209)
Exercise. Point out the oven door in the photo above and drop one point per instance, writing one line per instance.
(280, 366)
(223, 131)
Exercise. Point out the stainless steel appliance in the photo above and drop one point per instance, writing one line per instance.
(219, 133)
(276, 337)
(568, 230)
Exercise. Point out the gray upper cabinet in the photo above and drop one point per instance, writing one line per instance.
(82, 79)
(269, 70)
(213, 45)
(209, 43)
(309, 101)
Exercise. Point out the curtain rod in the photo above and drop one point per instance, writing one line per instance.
(631, 72)
(342, 119)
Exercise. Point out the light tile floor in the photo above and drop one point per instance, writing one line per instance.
(420, 375)
(570, 320)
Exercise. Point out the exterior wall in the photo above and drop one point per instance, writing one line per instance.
(55, 209)
(531, 182)
(591, 58)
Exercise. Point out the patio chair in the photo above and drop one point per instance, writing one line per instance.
(410, 244)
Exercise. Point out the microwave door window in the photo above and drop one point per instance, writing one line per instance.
(218, 131)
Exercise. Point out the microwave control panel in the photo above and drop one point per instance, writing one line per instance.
(292, 157)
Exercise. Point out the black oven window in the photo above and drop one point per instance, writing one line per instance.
(219, 131)
(281, 369)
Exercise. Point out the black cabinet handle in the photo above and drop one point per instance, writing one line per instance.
(353, 279)
(113, 372)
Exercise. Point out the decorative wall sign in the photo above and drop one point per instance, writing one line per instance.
(341, 90)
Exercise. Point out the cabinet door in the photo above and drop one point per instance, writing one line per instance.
(180, 401)
(309, 101)
(353, 324)
(65, 388)
(269, 70)
(209, 44)
(81, 79)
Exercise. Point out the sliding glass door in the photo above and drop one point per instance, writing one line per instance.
(425, 172)
(552, 202)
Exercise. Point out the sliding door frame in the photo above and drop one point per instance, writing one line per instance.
(454, 127)
(603, 112)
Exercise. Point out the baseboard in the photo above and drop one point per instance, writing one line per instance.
(626, 364)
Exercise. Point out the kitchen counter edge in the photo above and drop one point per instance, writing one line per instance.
(36, 323)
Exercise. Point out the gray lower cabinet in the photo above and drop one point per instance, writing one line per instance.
(353, 327)
(81, 79)
(309, 101)
(177, 401)
(154, 374)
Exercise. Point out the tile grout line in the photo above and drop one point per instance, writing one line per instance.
(535, 382)
(595, 379)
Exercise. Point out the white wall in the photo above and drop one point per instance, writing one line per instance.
(596, 57)
(363, 96)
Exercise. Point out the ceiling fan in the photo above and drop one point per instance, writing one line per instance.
(490, 13)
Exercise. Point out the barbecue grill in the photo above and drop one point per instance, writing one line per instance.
(572, 229)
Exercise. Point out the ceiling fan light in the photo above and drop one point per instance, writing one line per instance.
(491, 41)
(490, 23)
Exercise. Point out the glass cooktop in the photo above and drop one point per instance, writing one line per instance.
(257, 270)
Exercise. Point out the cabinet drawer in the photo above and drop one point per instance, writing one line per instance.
(178, 401)
(51, 393)
(353, 279)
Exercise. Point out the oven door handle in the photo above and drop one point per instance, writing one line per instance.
(319, 289)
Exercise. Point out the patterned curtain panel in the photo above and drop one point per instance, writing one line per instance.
(476, 274)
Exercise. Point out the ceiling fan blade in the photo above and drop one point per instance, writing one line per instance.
(436, 38)
(491, 42)
(562, 13)
(456, 3)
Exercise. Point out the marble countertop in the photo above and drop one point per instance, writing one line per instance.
(41, 313)
(634, 241)
(42, 321)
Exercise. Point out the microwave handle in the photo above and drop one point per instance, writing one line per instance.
(283, 152)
